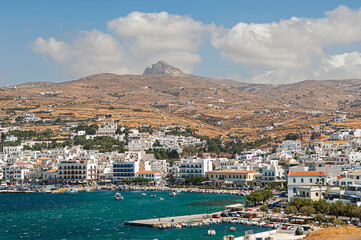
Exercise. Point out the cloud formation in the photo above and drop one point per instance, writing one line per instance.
(292, 49)
(278, 52)
(133, 43)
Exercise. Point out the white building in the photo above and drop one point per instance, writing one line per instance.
(152, 176)
(77, 170)
(304, 178)
(194, 167)
(30, 117)
(11, 138)
(125, 170)
(107, 129)
(15, 172)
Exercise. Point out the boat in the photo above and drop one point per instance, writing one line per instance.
(153, 195)
(161, 199)
(173, 194)
(72, 191)
(211, 232)
(233, 229)
(118, 196)
(144, 194)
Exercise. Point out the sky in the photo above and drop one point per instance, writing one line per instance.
(258, 41)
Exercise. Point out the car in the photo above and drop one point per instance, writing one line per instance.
(216, 216)
(224, 214)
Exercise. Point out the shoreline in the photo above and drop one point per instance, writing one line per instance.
(128, 188)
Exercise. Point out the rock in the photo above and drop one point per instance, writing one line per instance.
(163, 68)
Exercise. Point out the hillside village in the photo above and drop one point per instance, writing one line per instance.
(321, 163)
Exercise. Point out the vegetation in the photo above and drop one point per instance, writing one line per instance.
(307, 210)
(135, 180)
(164, 154)
(194, 180)
(308, 207)
(292, 136)
(263, 208)
(90, 130)
(276, 210)
(290, 210)
(103, 144)
(258, 196)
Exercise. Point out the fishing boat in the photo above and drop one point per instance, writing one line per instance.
(153, 195)
(161, 199)
(211, 232)
(233, 229)
(144, 194)
(173, 194)
(118, 196)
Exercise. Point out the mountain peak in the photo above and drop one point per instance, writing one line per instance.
(163, 68)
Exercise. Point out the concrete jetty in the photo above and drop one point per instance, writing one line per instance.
(155, 222)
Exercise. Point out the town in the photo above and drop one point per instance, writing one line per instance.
(322, 163)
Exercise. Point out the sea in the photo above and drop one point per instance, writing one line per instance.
(97, 215)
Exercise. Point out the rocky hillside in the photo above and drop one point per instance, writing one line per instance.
(163, 68)
(165, 95)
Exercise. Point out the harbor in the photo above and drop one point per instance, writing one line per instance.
(98, 215)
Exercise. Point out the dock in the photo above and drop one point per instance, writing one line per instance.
(155, 222)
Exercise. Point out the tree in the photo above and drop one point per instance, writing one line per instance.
(320, 217)
(296, 202)
(306, 202)
(276, 210)
(157, 143)
(292, 136)
(291, 210)
(321, 206)
(349, 210)
(358, 213)
(263, 208)
(336, 208)
(260, 195)
(307, 210)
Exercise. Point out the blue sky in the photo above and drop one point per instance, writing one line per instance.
(23, 22)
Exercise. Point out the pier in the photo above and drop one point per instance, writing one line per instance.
(156, 222)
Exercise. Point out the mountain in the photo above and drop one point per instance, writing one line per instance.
(170, 97)
(163, 68)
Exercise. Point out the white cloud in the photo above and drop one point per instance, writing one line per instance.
(134, 42)
(292, 49)
(341, 66)
(278, 52)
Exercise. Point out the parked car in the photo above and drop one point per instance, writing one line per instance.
(216, 216)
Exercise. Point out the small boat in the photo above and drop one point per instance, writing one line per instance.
(118, 196)
(161, 199)
(173, 194)
(211, 232)
(153, 195)
(144, 194)
(233, 229)
(72, 191)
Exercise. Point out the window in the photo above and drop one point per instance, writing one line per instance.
(294, 190)
(317, 194)
(311, 180)
(294, 180)
(301, 180)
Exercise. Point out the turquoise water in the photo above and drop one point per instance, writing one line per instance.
(97, 215)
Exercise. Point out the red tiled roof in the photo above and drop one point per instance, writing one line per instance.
(307, 173)
(233, 171)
